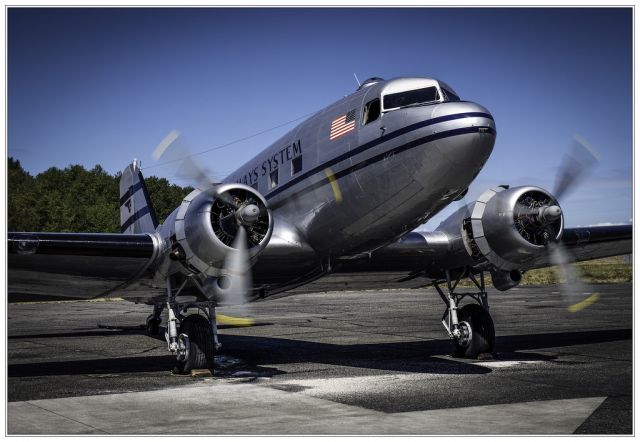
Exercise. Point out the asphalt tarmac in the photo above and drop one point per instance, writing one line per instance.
(362, 362)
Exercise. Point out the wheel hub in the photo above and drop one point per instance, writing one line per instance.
(466, 334)
(183, 348)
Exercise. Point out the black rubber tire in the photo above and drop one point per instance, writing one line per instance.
(198, 329)
(483, 334)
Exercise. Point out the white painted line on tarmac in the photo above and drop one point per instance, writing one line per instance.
(491, 363)
(504, 364)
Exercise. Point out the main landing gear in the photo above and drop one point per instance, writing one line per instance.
(470, 327)
(192, 338)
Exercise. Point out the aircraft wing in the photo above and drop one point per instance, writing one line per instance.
(90, 265)
(83, 264)
(585, 243)
(421, 257)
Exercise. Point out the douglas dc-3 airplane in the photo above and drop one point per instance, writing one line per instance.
(340, 194)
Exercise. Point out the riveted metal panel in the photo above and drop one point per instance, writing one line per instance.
(487, 195)
(476, 226)
(483, 245)
(182, 210)
(192, 196)
(180, 235)
(478, 210)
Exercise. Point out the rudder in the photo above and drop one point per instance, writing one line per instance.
(136, 211)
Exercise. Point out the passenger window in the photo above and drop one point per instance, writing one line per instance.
(273, 179)
(296, 165)
(371, 111)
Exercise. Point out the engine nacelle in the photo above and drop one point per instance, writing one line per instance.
(507, 227)
(206, 225)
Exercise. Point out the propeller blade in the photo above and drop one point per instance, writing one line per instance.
(237, 271)
(575, 293)
(228, 199)
(173, 150)
(234, 285)
(576, 164)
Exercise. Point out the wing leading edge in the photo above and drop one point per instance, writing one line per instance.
(85, 265)
(419, 258)
(585, 243)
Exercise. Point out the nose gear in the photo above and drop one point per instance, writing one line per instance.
(470, 327)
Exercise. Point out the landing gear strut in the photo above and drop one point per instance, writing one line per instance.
(470, 327)
(195, 339)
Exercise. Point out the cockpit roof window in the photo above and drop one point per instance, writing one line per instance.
(450, 95)
(411, 98)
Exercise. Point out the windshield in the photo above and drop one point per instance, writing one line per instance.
(408, 98)
(450, 95)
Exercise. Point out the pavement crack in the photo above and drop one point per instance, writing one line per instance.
(69, 418)
(147, 350)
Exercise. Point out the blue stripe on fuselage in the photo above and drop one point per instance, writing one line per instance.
(386, 154)
(374, 143)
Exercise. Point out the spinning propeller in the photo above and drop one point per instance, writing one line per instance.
(540, 221)
(237, 219)
(577, 163)
(579, 160)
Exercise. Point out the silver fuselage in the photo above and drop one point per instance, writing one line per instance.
(366, 188)
(344, 190)
(342, 187)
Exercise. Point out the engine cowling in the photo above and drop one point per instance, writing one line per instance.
(206, 224)
(509, 226)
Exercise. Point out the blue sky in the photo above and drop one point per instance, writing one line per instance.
(102, 86)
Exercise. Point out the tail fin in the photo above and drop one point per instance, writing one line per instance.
(136, 211)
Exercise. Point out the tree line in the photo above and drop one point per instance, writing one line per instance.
(74, 199)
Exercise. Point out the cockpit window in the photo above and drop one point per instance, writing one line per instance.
(450, 95)
(371, 111)
(408, 98)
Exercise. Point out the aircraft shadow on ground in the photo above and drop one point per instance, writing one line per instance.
(80, 334)
(108, 330)
(413, 357)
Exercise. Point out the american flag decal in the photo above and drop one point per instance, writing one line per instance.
(343, 124)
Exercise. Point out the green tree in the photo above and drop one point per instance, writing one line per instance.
(164, 196)
(22, 196)
(77, 200)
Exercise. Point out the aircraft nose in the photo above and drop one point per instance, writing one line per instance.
(465, 114)
(473, 133)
